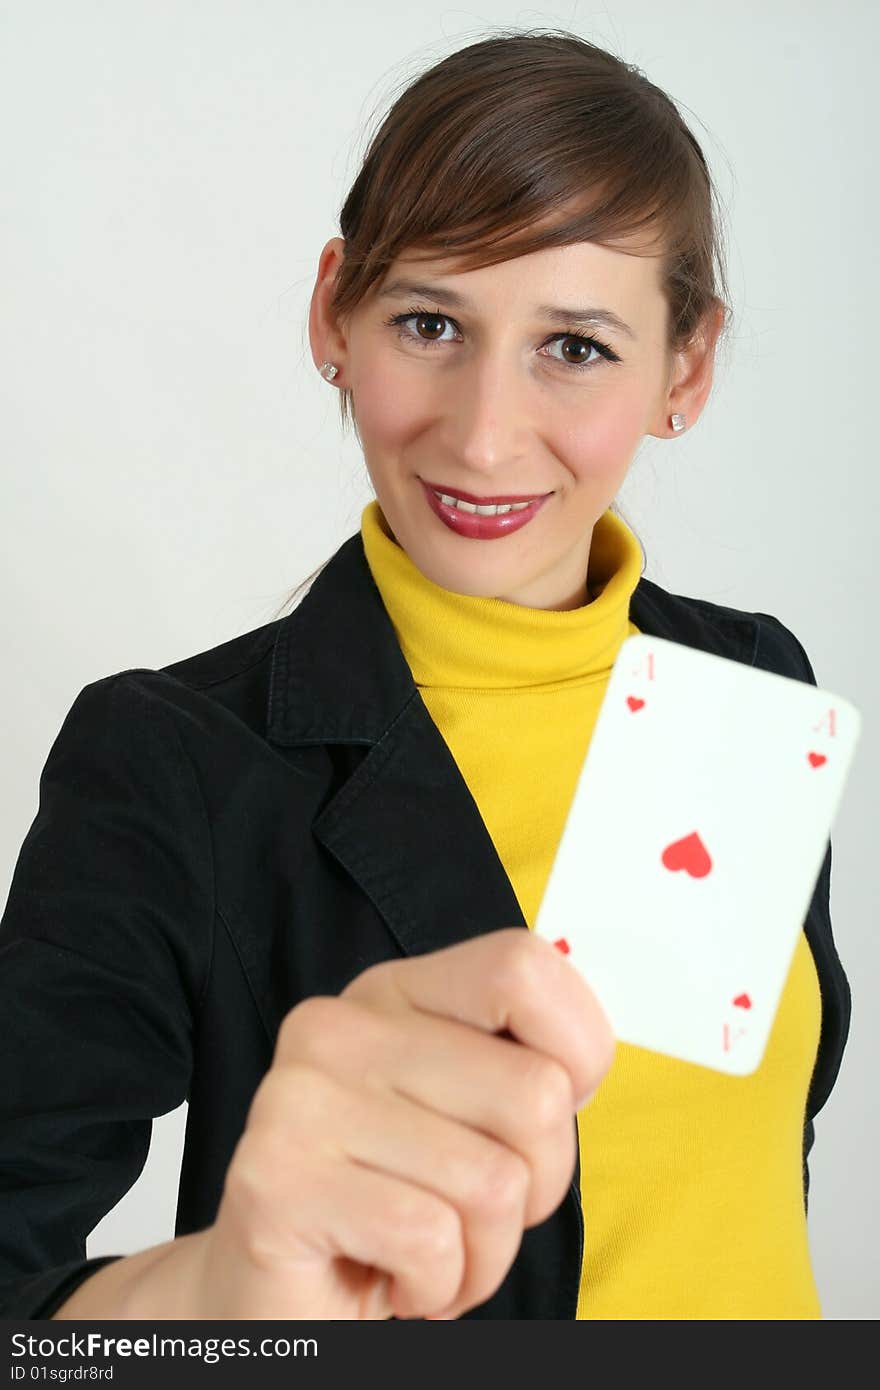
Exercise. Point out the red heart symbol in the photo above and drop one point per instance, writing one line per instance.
(689, 854)
(742, 1001)
(817, 759)
(634, 703)
(562, 945)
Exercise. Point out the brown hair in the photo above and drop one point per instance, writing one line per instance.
(530, 139)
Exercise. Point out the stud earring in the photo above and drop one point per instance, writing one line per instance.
(328, 371)
(678, 422)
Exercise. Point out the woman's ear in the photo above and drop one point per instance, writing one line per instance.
(326, 337)
(690, 379)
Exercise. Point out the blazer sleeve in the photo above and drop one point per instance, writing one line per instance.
(104, 954)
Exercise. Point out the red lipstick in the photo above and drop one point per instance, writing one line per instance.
(482, 528)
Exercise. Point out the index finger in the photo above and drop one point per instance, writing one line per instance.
(505, 981)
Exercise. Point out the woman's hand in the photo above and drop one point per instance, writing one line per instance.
(398, 1146)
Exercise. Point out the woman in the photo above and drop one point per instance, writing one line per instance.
(287, 879)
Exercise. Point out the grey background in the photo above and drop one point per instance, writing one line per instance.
(172, 464)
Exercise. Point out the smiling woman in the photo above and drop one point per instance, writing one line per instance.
(294, 879)
(545, 154)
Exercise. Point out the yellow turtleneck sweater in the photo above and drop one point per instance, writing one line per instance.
(691, 1180)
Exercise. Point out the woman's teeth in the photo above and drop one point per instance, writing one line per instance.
(495, 509)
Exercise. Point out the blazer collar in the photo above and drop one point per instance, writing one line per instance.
(404, 824)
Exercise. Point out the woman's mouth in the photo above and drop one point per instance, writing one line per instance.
(463, 518)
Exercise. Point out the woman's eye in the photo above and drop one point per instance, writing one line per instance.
(582, 347)
(431, 320)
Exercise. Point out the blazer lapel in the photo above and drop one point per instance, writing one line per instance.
(404, 825)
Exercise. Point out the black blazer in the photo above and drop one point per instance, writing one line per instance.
(217, 840)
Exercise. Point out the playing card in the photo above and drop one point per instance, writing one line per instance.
(692, 846)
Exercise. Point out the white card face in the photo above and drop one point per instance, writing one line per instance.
(695, 837)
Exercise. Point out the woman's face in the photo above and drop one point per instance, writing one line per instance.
(485, 392)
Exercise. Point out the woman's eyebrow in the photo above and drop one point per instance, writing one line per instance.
(575, 318)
